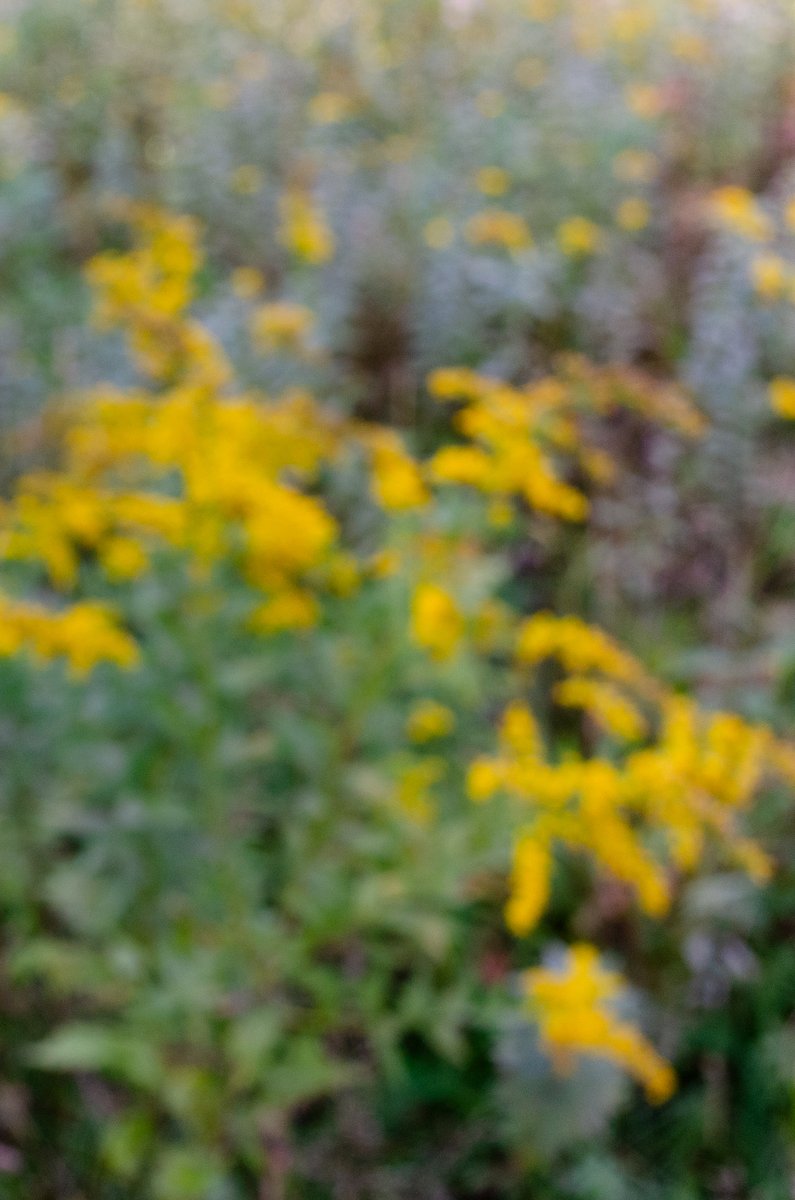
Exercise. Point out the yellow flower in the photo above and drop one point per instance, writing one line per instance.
(289, 610)
(497, 227)
(123, 558)
(247, 282)
(782, 396)
(769, 276)
(429, 720)
(633, 214)
(578, 237)
(397, 480)
(415, 785)
(304, 229)
(485, 777)
(571, 1006)
(492, 181)
(437, 624)
(530, 879)
(738, 210)
(281, 325)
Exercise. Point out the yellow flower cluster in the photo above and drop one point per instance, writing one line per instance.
(515, 436)
(146, 291)
(84, 635)
(572, 1007)
(216, 476)
(692, 781)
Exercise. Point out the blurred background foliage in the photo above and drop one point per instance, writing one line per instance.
(233, 968)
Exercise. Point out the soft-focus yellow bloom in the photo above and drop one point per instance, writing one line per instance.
(530, 876)
(633, 214)
(605, 704)
(437, 624)
(247, 282)
(735, 208)
(304, 229)
(281, 324)
(492, 181)
(289, 610)
(769, 276)
(571, 1005)
(578, 237)
(414, 791)
(123, 558)
(429, 720)
(782, 396)
(497, 227)
(84, 635)
(396, 477)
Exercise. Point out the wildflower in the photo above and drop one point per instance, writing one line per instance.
(782, 396)
(247, 282)
(492, 181)
(304, 230)
(735, 208)
(414, 788)
(769, 276)
(529, 885)
(437, 624)
(123, 558)
(497, 227)
(571, 1006)
(291, 609)
(605, 704)
(281, 324)
(397, 481)
(578, 237)
(429, 720)
(633, 214)
(485, 777)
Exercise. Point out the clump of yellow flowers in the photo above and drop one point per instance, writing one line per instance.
(188, 465)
